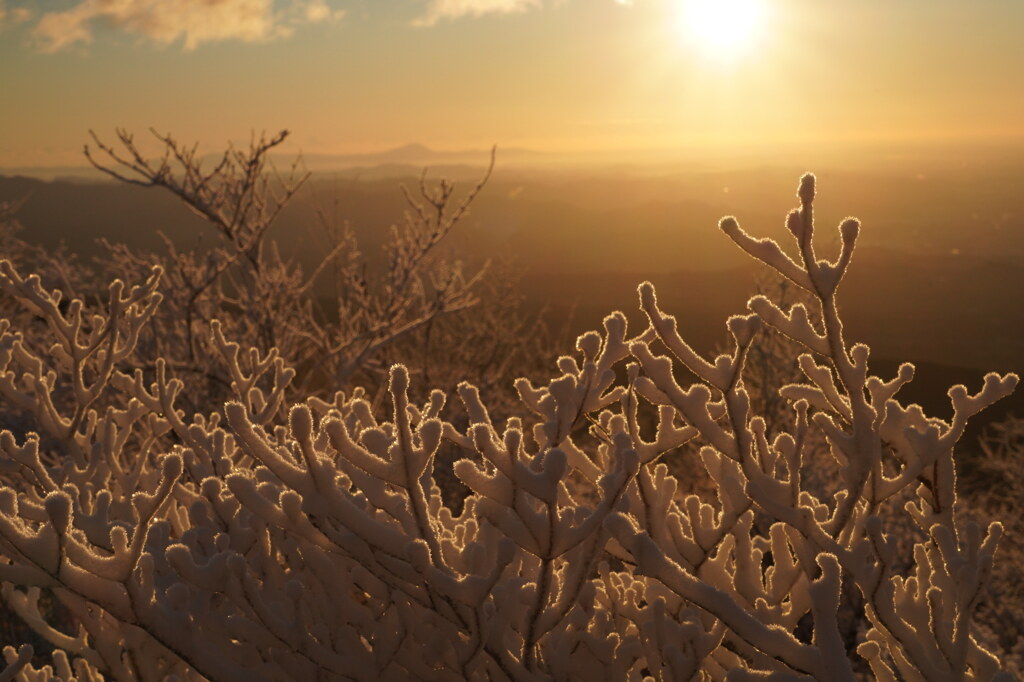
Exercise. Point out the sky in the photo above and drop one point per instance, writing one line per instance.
(353, 76)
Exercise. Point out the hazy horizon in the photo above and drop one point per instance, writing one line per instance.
(879, 156)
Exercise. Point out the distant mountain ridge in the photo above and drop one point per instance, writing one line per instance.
(417, 154)
(413, 154)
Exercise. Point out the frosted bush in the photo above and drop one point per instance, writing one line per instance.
(234, 543)
(336, 320)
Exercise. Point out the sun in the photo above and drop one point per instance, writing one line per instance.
(722, 28)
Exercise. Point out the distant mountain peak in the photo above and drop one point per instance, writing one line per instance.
(411, 148)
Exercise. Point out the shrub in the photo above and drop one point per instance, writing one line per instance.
(227, 543)
(270, 300)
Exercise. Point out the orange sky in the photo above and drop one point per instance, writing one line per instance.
(565, 75)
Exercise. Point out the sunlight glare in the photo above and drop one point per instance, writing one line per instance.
(722, 28)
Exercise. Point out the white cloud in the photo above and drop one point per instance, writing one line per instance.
(453, 9)
(438, 10)
(192, 22)
(13, 16)
(316, 11)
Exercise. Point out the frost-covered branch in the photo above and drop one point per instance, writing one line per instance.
(309, 539)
